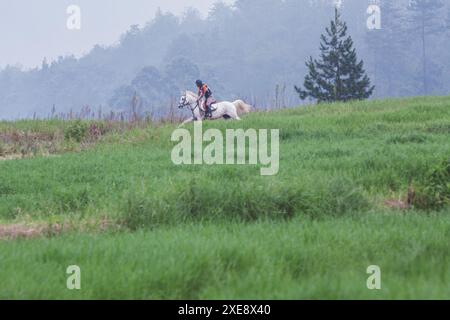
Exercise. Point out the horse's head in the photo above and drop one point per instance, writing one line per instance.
(183, 102)
(188, 99)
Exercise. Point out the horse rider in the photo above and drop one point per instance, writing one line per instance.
(205, 92)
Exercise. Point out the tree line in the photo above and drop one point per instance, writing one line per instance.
(240, 51)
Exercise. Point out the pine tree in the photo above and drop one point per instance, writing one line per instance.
(337, 75)
(426, 21)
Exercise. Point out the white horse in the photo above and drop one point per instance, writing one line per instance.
(220, 110)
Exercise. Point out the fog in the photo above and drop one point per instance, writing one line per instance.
(251, 49)
(32, 30)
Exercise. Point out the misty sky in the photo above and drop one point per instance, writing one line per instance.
(32, 30)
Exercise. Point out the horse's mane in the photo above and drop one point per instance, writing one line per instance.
(190, 93)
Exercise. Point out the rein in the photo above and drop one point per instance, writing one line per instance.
(197, 105)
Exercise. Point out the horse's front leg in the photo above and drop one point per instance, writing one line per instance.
(186, 122)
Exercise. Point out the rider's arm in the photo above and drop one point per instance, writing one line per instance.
(201, 95)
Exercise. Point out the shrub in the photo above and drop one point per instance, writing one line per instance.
(77, 131)
(434, 191)
(97, 130)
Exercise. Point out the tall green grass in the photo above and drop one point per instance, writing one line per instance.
(301, 259)
(225, 231)
(333, 159)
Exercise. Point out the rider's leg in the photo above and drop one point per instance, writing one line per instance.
(208, 106)
(205, 106)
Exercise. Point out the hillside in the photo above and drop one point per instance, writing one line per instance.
(359, 184)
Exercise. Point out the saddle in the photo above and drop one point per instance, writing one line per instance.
(211, 107)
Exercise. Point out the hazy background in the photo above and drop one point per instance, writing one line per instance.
(32, 30)
(142, 54)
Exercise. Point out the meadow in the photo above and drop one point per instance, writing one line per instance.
(359, 184)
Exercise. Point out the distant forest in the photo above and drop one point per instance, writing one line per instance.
(255, 50)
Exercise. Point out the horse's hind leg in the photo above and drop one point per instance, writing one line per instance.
(233, 114)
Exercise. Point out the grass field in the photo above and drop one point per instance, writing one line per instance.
(140, 227)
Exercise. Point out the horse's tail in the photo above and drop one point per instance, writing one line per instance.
(242, 107)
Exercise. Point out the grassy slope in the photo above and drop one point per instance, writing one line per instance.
(323, 219)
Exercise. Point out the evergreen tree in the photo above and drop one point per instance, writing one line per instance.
(426, 21)
(337, 75)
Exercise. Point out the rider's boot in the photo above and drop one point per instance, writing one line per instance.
(208, 113)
